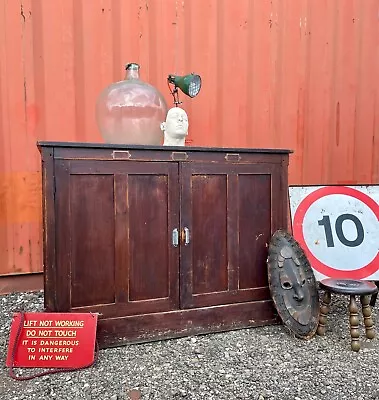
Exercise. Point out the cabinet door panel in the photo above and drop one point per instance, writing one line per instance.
(92, 239)
(114, 250)
(209, 222)
(148, 212)
(229, 211)
(254, 226)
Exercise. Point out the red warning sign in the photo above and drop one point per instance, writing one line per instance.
(52, 340)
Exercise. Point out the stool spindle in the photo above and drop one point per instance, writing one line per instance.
(366, 311)
(354, 324)
(324, 309)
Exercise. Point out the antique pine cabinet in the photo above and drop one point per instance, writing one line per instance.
(160, 241)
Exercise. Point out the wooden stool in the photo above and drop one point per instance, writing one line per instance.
(352, 288)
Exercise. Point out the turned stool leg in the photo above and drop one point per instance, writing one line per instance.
(366, 311)
(324, 309)
(354, 321)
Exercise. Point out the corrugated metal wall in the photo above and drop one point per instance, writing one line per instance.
(301, 74)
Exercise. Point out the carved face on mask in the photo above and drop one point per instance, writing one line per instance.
(296, 292)
(292, 285)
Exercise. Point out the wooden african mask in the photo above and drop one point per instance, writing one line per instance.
(293, 285)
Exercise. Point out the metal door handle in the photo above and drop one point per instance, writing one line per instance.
(186, 236)
(175, 237)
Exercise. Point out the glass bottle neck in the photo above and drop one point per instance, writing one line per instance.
(132, 72)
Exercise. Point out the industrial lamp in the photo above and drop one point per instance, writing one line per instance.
(189, 84)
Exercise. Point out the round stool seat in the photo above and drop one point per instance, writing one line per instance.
(349, 286)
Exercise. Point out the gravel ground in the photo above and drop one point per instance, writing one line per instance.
(258, 363)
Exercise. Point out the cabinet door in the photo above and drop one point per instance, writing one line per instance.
(230, 212)
(114, 232)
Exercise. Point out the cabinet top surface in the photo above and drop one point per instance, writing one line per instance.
(41, 144)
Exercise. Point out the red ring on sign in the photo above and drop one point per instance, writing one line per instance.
(298, 220)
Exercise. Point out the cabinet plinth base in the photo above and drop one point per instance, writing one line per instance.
(121, 331)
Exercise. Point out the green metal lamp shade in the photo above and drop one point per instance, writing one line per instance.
(188, 84)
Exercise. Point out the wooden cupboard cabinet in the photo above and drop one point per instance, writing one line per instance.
(161, 241)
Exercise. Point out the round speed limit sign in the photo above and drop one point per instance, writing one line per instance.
(338, 228)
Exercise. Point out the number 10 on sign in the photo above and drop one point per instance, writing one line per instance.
(339, 230)
(325, 222)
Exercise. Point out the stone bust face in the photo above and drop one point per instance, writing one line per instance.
(176, 125)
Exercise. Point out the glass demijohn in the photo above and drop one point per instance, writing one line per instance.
(131, 111)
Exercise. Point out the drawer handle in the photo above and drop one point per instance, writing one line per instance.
(121, 154)
(179, 156)
(232, 157)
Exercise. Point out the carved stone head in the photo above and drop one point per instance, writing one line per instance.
(175, 127)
